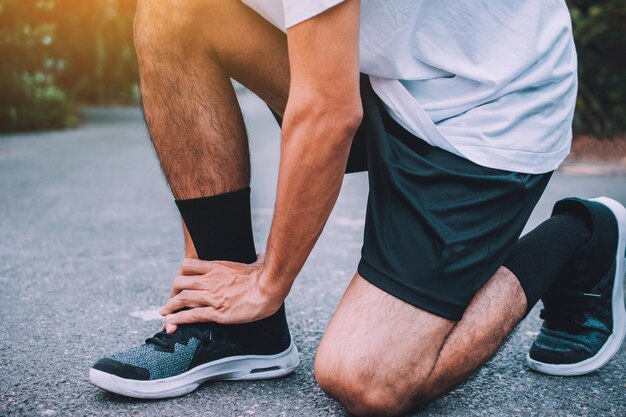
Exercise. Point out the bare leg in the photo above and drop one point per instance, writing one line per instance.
(503, 301)
(187, 52)
(381, 356)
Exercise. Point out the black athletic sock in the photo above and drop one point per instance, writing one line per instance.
(221, 229)
(220, 226)
(545, 254)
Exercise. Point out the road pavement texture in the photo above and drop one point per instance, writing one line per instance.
(90, 241)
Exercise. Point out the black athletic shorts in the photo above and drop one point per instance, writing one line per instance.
(437, 225)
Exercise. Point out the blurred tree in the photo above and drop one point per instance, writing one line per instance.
(600, 34)
(29, 96)
(95, 43)
(57, 52)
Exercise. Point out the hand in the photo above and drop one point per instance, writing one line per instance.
(221, 292)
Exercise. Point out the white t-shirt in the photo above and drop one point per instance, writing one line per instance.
(492, 81)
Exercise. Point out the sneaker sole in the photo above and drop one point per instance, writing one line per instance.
(616, 338)
(235, 368)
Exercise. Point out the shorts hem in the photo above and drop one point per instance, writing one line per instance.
(413, 296)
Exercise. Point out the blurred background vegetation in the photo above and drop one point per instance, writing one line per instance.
(57, 54)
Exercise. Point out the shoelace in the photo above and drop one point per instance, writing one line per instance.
(566, 309)
(167, 341)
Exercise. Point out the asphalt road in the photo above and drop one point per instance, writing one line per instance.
(90, 241)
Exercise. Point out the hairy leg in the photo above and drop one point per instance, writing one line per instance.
(490, 318)
(378, 351)
(187, 52)
(382, 356)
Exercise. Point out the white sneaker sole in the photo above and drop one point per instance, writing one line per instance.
(616, 338)
(245, 367)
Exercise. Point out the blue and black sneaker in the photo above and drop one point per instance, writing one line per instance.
(170, 365)
(584, 315)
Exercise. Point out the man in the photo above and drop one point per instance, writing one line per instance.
(463, 112)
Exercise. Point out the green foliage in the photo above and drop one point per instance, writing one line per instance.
(54, 53)
(95, 43)
(29, 96)
(600, 34)
(57, 52)
(36, 103)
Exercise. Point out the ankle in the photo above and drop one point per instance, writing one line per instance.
(266, 334)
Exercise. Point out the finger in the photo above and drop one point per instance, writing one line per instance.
(195, 267)
(187, 282)
(260, 258)
(186, 298)
(196, 315)
(170, 328)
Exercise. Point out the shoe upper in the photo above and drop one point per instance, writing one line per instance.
(161, 356)
(165, 355)
(576, 324)
(577, 310)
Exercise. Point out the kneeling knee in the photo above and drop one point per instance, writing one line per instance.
(364, 393)
(375, 402)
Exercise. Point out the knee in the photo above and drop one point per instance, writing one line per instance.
(167, 26)
(366, 390)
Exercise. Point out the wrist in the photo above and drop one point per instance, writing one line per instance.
(274, 283)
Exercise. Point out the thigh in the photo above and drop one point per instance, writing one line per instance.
(247, 47)
(378, 347)
(253, 52)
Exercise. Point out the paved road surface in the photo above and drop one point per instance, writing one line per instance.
(90, 241)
